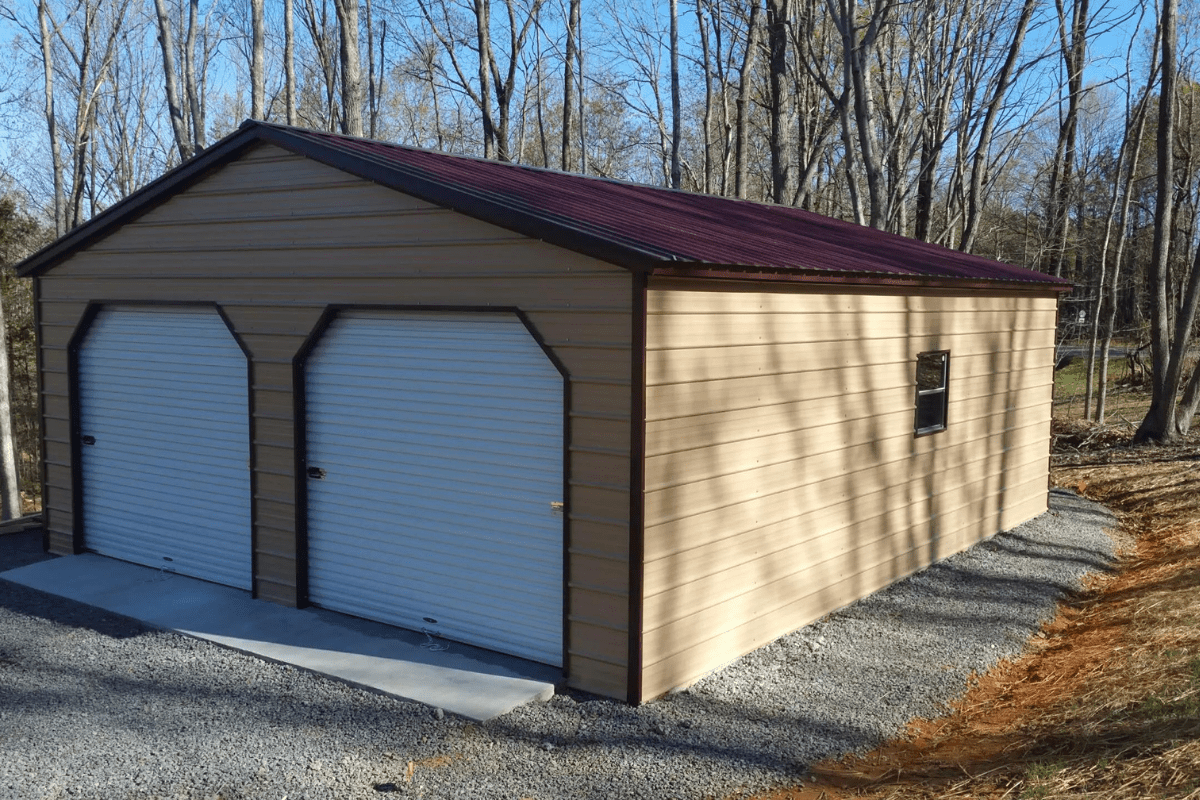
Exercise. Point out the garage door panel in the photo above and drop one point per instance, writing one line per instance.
(417, 469)
(163, 397)
(434, 595)
(440, 438)
(419, 511)
(467, 547)
(191, 511)
(151, 452)
(446, 510)
(450, 401)
(449, 407)
(474, 447)
(429, 580)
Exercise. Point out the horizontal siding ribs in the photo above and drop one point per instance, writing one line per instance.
(866, 532)
(273, 240)
(783, 477)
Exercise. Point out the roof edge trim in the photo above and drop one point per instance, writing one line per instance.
(756, 275)
(138, 203)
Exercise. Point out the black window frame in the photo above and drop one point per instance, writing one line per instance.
(943, 389)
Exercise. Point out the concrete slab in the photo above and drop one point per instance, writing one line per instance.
(462, 679)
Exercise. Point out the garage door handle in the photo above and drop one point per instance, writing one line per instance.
(316, 472)
(88, 439)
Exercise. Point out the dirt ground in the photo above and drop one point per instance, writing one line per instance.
(1105, 703)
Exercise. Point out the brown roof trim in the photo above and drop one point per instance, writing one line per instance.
(831, 278)
(138, 203)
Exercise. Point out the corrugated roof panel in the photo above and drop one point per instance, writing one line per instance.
(684, 226)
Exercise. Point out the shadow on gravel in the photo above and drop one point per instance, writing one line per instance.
(52, 608)
(25, 548)
(22, 549)
(690, 728)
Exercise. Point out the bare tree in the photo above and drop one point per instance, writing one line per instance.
(60, 203)
(258, 79)
(860, 29)
(494, 73)
(778, 17)
(1112, 248)
(569, 61)
(184, 82)
(1159, 422)
(1072, 36)
(676, 111)
(324, 42)
(741, 136)
(994, 103)
(352, 91)
(175, 109)
(289, 61)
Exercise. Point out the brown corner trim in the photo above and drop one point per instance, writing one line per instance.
(637, 488)
(41, 398)
(77, 479)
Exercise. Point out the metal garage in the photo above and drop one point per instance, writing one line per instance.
(721, 394)
(435, 477)
(164, 441)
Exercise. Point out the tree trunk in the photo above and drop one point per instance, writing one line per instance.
(60, 210)
(289, 61)
(1074, 52)
(707, 121)
(777, 41)
(1128, 158)
(741, 151)
(483, 33)
(374, 88)
(179, 125)
(258, 78)
(1159, 423)
(352, 91)
(979, 159)
(10, 489)
(569, 85)
(583, 159)
(190, 82)
(856, 67)
(676, 113)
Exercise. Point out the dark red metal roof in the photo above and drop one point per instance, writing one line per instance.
(640, 227)
(685, 227)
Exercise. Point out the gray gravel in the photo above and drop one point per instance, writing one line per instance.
(96, 706)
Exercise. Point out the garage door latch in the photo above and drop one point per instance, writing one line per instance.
(316, 472)
(87, 439)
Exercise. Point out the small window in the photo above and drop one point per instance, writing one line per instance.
(933, 375)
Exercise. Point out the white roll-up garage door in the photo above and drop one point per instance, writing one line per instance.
(435, 452)
(164, 423)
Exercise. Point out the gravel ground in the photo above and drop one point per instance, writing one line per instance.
(96, 706)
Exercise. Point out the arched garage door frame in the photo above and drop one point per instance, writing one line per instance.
(75, 345)
(300, 365)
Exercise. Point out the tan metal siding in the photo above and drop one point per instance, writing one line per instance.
(272, 239)
(783, 479)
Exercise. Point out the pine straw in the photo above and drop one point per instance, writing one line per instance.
(1105, 703)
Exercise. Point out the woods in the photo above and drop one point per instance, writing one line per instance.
(1024, 130)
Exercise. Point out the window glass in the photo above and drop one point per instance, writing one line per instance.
(933, 372)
